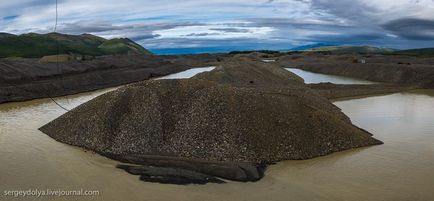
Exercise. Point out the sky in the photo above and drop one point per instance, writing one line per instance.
(224, 25)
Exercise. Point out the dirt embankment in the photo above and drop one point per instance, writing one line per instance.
(401, 70)
(225, 123)
(24, 79)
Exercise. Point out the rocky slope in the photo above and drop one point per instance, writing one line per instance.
(226, 123)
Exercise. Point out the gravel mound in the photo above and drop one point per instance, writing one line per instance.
(242, 112)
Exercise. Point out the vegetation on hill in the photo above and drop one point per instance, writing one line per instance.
(252, 51)
(352, 49)
(34, 45)
(331, 49)
(307, 47)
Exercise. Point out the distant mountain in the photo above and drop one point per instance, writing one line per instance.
(253, 51)
(417, 52)
(34, 45)
(5, 35)
(352, 49)
(199, 50)
(308, 47)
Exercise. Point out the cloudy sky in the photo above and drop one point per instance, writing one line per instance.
(232, 24)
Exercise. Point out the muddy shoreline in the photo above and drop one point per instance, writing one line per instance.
(334, 91)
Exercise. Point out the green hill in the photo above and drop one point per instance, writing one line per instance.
(352, 49)
(417, 52)
(34, 45)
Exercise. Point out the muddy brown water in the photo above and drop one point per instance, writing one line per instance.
(401, 169)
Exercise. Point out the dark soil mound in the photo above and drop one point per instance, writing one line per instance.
(243, 111)
(169, 175)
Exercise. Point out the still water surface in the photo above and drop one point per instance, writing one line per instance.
(314, 78)
(188, 73)
(401, 169)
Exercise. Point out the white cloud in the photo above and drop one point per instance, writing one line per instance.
(214, 32)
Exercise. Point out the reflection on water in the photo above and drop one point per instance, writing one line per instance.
(313, 78)
(188, 73)
(399, 170)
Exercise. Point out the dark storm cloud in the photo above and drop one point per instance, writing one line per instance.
(90, 27)
(203, 34)
(354, 38)
(350, 10)
(285, 22)
(137, 32)
(10, 17)
(44, 2)
(231, 30)
(144, 37)
(411, 28)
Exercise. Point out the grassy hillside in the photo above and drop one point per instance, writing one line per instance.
(121, 46)
(352, 49)
(34, 45)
